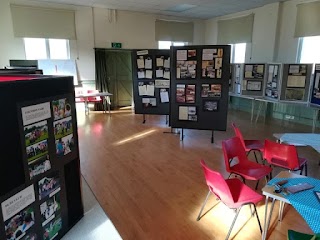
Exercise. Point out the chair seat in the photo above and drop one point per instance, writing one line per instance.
(241, 193)
(253, 145)
(251, 170)
(284, 164)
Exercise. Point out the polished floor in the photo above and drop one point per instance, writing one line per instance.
(151, 185)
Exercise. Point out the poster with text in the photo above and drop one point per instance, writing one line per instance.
(35, 113)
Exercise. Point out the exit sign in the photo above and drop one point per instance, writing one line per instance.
(116, 45)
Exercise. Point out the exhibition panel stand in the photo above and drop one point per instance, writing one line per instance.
(253, 79)
(151, 81)
(199, 87)
(296, 82)
(315, 97)
(273, 81)
(40, 191)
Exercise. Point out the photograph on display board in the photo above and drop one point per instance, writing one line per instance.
(17, 226)
(30, 236)
(192, 53)
(36, 132)
(51, 230)
(181, 93)
(297, 69)
(62, 127)
(186, 69)
(61, 108)
(36, 151)
(208, 69)
(149, 102)
(188, 113)
(215, 90)
(254, 85)
(191, 93)
(205, 88)
(65, 145)
(48, 186)
(254, 71)
(294, 94)
(316, 89)
(49, 208)
(39, 166)
(210, 105)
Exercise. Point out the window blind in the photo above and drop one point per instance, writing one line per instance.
(35, 22)
(236, 30)
(308, 19)
(174, 31)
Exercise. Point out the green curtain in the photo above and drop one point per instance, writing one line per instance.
(101, 74)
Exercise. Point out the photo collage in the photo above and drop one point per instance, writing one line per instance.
(212, 63)
(186, 64)
(41, 121)
(62, 126)
(36, 141)
(254, 71)
(186, 93)
(188, 113)
(49, 192)
(296, 82)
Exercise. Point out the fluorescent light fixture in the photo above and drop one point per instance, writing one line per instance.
(181, 8)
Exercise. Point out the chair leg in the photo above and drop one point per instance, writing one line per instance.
(257, 184)
(306, 169)
(204, 203)
(255, 155)
(233, 222)
(255, 209)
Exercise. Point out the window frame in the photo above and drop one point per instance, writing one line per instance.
(172, 44)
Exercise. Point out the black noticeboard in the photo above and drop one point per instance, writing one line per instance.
(199, 87)
(40, 192)
(151, 81)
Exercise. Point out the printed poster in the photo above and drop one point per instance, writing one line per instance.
(35, 113)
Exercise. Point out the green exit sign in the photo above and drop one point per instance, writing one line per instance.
(116, 45)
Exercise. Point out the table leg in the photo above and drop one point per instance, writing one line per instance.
(252, 109)
(259, 110)
(281, 207)
(315, 118)
(267, 219)
(86, 106)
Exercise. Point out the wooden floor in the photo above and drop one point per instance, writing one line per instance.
(151, 185)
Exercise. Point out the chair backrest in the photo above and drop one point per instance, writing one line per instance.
(281, 154)
(217, 184)
(238, 133)
(232, 148)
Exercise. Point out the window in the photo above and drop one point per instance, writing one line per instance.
(308, 46)
(238, 52)
(41, 48)
(168, 44)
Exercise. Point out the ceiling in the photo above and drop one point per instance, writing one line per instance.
(202, 9)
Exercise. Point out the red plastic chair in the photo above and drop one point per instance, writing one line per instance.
(231, 192)
(237, 162)
(249, 145)
(284, 156)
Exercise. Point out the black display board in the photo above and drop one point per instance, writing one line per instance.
(199, 87)
(40, 192)
(151, 81)
(315, 98)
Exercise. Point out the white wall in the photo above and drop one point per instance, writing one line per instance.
(263, 36)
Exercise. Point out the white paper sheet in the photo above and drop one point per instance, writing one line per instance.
(166, 75)
(142, 90)
(164, 96)
(150, 90)
(162, 83)
(35, 113)
(141, 74)
(183, 113)
(159, 62)
(182, 55)
(167, 63)
(149, 74)
(148, 63)
(296, 81)
(140, 63)
(159, 73)
(294, 69)
(178, 73)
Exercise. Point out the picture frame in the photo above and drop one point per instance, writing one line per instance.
(210, 105)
